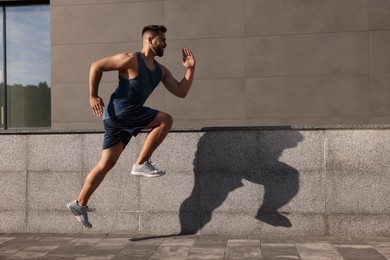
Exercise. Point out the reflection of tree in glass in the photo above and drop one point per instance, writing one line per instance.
(29, 106)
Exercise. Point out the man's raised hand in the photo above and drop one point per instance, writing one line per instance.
(188, 59)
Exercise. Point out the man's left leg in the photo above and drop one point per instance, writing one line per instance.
(160, 126)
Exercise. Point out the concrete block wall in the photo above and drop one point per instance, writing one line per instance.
(259, 62)
(283, 181)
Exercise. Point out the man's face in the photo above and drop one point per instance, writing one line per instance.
(159, 44)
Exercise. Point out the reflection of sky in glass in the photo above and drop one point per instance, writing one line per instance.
(1, 50)
(28, 45)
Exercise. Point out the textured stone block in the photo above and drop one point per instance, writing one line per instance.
(230, 224)
(119, 191)
(290, 150)
(92, 150)
(357, 150)
(52, 222)
(167, 222)
(113, 222)
(267, 17)
(168, 193)
(54, 152)
(306, 196)
(12, 221)
(301, 225)
(359, 225)
(13, 190)
(228, 151)
(13, 153)
(231, 193)
(351, 192)
(177, 154)
(52, 190)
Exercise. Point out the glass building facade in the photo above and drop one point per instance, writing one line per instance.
(25, 65)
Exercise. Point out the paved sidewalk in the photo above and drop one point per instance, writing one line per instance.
(90, 246)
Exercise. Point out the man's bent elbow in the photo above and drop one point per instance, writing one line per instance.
(94, 66)
(182, 95)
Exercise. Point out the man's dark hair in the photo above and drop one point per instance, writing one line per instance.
(154, 29)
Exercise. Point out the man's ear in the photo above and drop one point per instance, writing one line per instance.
(150, 38)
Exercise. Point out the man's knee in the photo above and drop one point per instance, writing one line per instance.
(107, 164)
(167, 120)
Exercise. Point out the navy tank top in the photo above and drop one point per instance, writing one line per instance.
(131, 94)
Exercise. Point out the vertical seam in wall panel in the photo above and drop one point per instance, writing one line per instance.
(139, 205)
(27, 152)
(369, 61)
(197, 185)
(245, 77)
(325, 144)
(83, 167)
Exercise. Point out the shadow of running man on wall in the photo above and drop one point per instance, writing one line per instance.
(224, 158)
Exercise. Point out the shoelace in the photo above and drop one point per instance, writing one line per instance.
(90, 209)
(152, 163)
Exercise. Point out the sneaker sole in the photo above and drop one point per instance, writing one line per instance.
(147, 175)
(75, 214)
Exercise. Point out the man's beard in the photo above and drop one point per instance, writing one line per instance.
(158, 51)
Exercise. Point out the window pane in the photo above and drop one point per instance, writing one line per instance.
(28, 66)
(2, 110)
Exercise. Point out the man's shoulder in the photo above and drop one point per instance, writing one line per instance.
(131, 55)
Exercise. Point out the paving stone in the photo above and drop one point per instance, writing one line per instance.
(243, 252)
(149, 246)
(206, 253)
(279, 251)
(33, 252)
(382, 247)
(178, 242)
(67, 251)
(317, 250)
(84, 241)
(214, 242)
(365, 252)
(5, 239)
(172, 251)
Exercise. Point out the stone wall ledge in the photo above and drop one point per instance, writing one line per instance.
(205, 129)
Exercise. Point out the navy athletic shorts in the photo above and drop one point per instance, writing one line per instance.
(122, 128)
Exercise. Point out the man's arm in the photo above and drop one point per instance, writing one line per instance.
(181, 89)
(120, 62)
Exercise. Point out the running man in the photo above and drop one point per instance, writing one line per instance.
(125, 116)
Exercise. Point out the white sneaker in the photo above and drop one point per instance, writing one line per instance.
(80, 212)
(147, 170)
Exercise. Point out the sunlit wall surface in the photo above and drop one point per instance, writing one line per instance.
(28, 66)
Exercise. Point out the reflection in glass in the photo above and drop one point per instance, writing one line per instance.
(2, 110)
(28, 66)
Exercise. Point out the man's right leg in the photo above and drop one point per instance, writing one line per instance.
(160, 125)
(108, 159)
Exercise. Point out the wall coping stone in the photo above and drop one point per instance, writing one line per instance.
(204, 129)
